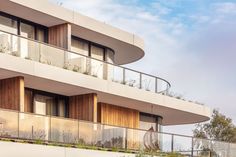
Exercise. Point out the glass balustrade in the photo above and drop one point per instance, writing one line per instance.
(116, 74)
(8, 124)
(113, 137)
(47, 54)
(182, 144)
(34, 126)
(27, 126)
(90, 134)
(166, 142)
(64, 130)
(148, 83)
(132, 78)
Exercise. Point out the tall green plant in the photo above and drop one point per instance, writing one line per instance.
(219, 128)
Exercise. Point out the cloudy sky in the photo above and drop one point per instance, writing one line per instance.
(191, 43)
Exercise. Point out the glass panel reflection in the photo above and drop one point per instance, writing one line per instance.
(79, 46)
(148, 83)
(8, 24)
(52, 56)
(37, 127)
(132, 78)
(34, 126)
(64, 130)
(182, 144)
(113, 137)
(27, 31)
(9, 44)
(8, 124)
(90, 134)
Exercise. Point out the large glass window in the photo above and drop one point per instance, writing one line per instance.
(22, 27)
(97, 52)
(88, 48)
(61, 108)
(79, 46)
(43, 104)
(8, 24)
(27, 30)
(109, 55)
(31, 31)
(8, 42)
(26, 46)
(41, 34)
(96, 65)
(148, 121)
(46, 103)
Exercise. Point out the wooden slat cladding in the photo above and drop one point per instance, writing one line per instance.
(28, 101)
(12, 93)
(83, 107)
(60, 35)
(119, 116)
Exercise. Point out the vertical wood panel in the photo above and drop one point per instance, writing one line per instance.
(60, 36)
(83, 107)
(22, 94)
(28, 101)
(122, 117)
(12, 93)
(119, 116)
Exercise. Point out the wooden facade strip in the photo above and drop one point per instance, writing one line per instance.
(83, 107)
(28, 101)
(12, 93)
(119, 116)
(60, 35)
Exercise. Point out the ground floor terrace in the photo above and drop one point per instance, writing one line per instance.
(81, 121)
(23, 130)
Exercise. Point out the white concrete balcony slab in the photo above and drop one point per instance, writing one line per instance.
(56, 70)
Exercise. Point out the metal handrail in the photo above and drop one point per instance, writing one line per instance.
(190, 148)
(113, 64)
(109, 125)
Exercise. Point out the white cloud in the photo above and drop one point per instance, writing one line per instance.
(226, 7)
(200, 18)
(160, 9)
(147, 16)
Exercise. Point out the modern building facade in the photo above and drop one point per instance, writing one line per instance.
(61, 80)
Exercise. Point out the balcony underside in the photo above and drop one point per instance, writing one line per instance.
(60, 81)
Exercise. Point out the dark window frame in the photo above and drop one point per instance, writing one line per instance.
(155, 117)
(46, 29)
(57, 97)
(90, 44)
(150, 115)
(35, 25)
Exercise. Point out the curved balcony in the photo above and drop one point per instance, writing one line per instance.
(47, 54)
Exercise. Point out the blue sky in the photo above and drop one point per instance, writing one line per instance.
(191, 43)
